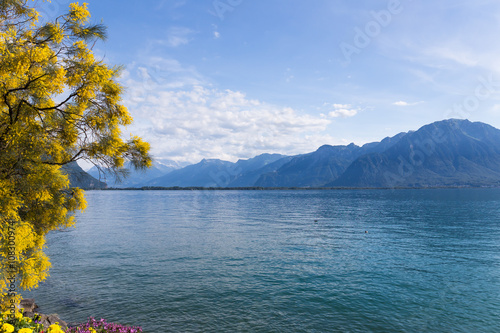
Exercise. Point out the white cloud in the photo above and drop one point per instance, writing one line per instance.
(191, 120)
(216, 31)
(341, 106)
(403, 103)
(342, 110)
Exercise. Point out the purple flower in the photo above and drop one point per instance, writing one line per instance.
(102, 327)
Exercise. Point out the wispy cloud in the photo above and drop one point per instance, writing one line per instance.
(177, 36)
(170, 3)
(288, 75)
(156, 74)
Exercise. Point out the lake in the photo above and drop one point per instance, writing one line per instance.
(281, 261)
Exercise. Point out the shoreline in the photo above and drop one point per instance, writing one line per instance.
(256, 188)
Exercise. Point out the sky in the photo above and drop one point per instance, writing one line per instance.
(232, 79)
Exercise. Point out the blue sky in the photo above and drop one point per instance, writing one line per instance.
(232, 79)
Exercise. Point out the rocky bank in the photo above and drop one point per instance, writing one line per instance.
(30, 309)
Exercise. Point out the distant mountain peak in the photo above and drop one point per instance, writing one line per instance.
(451, 152)
(454, 121)
(337, 147)
(212, 161)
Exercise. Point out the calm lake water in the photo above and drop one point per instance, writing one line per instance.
(281, 261)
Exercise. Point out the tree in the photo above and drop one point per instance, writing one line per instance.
(58, 104)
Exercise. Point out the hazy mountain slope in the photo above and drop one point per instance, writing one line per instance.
(135, 178)
(250, 177)
(313, 169)
(217, 173)
(378, 147)
(207, 173)
(79, 178)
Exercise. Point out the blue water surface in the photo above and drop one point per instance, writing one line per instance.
(281, 261)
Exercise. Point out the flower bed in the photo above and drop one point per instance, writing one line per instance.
(21, 324)
(101, 326)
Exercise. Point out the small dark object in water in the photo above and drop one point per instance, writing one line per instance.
(70, 303)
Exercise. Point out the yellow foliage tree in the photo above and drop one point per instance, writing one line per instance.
(58, 104)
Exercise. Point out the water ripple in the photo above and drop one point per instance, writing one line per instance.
(281, 261)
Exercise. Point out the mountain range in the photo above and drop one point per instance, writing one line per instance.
(446, 153)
